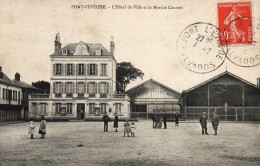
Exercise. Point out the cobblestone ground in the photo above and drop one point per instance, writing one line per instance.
(236, 144)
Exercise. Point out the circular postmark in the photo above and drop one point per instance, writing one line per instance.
(198, 48)
(243, 42)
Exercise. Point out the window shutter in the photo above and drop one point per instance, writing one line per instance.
(54, 69)
(73, 69)
(107, 87)
(62, 87)
(88, 69)
(62, 69)
(85, 69)
(96, 87)
(65, 89)
(99, 87)
(54, 86)
(96, 73)
(66, 66)
(73, 85)
(77, 69)
(84, 87)
(87, 87)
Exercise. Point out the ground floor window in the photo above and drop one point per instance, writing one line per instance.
(69, 108)
(34, 109)
(57, 108)
(118, 108)
(42, 109)
(103, 108)
(92, 108)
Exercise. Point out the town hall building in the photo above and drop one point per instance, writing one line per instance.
(83, 84)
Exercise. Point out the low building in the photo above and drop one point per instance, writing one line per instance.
(14, 98)
(152, 97)
(231, 97)
(83, 84)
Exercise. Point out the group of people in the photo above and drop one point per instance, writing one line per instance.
(42, 128)
(128, 128)
(157, 120)
(214, 121)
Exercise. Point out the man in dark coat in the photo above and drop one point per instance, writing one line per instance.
(176, 119)
(153, 118)
(116, 122)
(203, 122)
(105, 119)
(164, 120)
(215, 122)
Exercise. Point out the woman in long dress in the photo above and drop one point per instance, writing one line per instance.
(116, 122)
(42, 128)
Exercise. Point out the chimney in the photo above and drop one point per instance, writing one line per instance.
(17, 76)
(258, 82)
(112, 46)
(1, 73)
(57, 43)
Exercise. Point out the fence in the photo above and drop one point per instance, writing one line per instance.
(224, 113)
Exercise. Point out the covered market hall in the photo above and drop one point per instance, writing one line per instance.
(152, 97)
(231, 97)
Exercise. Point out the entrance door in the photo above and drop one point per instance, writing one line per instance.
(80, 111)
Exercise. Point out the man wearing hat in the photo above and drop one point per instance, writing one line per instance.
(203, 123)
(215, 122)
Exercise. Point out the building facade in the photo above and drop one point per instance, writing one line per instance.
(153, 97)
(83, 84)
(14, 98)
(231, 97)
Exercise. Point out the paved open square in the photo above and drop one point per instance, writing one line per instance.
(85, 143)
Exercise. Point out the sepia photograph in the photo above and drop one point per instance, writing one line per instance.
(130, 82)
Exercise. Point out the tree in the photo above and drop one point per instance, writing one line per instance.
(43, 85)
(125, 73)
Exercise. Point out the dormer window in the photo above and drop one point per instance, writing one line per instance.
(98, 52)
(64, 52)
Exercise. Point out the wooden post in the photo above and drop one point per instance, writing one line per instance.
(147, 109)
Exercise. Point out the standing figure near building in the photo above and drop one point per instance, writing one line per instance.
(215, 123)
(42, 128)
(133, 129)
(203, 122)
(126, 128)
(105, 119)
(153, 118)
(165, 120)
(31, 128)
(116, 122)
(176, 119)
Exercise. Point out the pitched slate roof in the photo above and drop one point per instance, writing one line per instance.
(24, 85)
(92, 47)
(220, 75)
(6, 80)
(153, 81)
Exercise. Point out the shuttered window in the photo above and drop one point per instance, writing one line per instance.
(58, 69)
(91, 108)
(103, 108)
(92, 69)
(69, 88)
(81, 69)
(58, 108)
(69, 69)
(69, 108)
(103, 69)
(118, 108)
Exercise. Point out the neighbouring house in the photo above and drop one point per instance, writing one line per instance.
(14, 98)
(152, 97)
(83, 84)
(231, 97)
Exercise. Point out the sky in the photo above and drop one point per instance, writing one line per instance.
(146, 38)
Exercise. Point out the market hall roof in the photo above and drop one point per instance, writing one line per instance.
(226, 73)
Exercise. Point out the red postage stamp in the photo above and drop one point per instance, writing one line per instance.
(235, 22)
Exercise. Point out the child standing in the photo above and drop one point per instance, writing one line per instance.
(126, 128)
(133, 129)
(31, 128)
(42, 128)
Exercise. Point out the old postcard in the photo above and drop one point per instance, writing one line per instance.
(130, 82)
